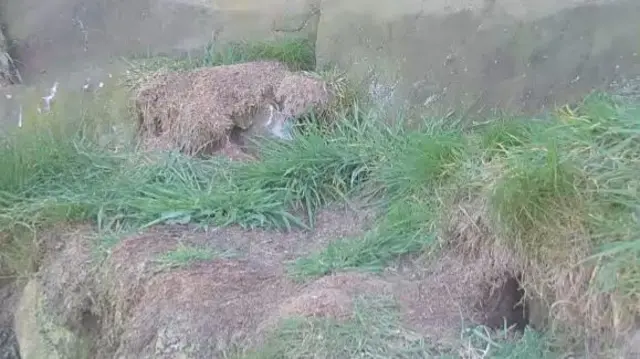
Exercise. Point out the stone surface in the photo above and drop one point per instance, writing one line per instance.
(474, 54)
(9, 348)
(61, 36)
(38, 334)
(513, 54)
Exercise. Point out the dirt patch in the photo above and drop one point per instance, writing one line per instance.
(205, 309)
(196, 111)
(208, 307)
(473, 281)
(333, 296)
(441, 298)
(277, 247)
(133, 307)
(550, 291)
(214, 308)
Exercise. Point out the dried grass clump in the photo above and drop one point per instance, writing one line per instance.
(9, 74)
(194, 111)
(471, 235)
(560, 287)
(299, 93)
(473, 240)
(556, 200)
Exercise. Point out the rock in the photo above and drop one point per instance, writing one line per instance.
(52, 318)
(9, 348)
(474, 54)
(59, 37)
(6, 64)
(632, 349)
(39, 335)
(477, 55)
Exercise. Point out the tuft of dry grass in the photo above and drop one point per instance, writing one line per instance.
(296, 54)
(558, 196)
(194, 111)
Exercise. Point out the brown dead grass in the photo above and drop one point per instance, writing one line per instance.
(195, 111)
(558, 288)
(120, 285)
(299, 93)
(212, 306)
(333, 296)
(206, 308)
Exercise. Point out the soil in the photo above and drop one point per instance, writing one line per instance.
(504, 306)
(133, 307)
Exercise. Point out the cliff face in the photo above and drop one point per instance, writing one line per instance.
(473, 54)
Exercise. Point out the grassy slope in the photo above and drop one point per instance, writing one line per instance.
(545, 181)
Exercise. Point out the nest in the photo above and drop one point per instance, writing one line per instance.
(195, 111)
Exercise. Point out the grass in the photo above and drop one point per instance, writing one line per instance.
(478, 342)
(185, 255)
(562, 194)
(404, 230)
(375, 331)
(298, 54)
